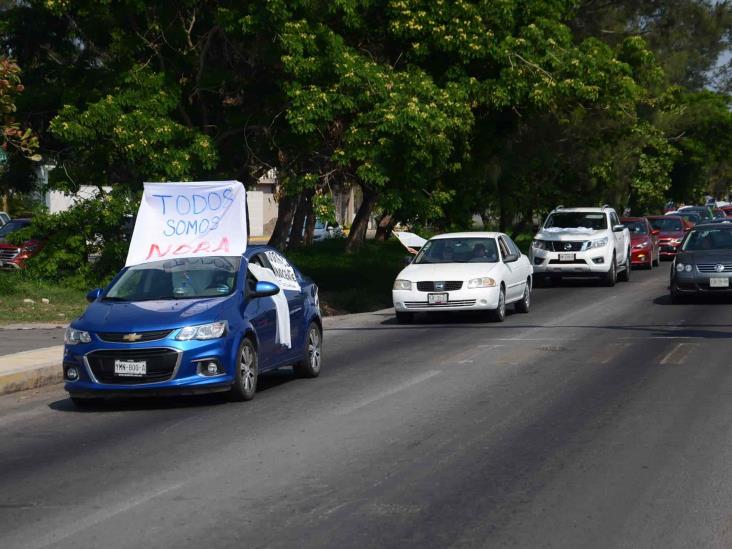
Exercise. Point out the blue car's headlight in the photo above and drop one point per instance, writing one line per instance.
(203, 331)
(74, 336)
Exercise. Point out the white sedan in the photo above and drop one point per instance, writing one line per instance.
(464, 271)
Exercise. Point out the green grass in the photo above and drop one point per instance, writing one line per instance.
(64, 305)
(352, 283)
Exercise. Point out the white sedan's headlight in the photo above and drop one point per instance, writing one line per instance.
(203, 331)
(74, 336)
(402, 284)
(484, 282)
(599, 243)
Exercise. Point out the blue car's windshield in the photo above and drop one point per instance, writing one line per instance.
(177, 279)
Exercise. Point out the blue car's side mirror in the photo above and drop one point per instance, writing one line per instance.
(265, 289)
(93, 295)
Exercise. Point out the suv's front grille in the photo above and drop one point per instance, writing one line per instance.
(160, 365)
(565, 246)
(448, 286)
(8, 254)
(133, 337)
(712, 267)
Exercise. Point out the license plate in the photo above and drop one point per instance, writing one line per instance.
(130, 368)
(566, 257)
(437, 299)
(719, 282)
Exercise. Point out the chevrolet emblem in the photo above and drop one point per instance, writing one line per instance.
(132, 337)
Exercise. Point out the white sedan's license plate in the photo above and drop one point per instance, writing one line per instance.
(566, 257)
(437, 299)
(130, 368)
(719, 282)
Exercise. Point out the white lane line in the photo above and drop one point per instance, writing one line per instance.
(397, 388)
(54, 537)
(678, 354)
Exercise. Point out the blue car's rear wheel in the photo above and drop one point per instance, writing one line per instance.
(309, 365)
(247, 372)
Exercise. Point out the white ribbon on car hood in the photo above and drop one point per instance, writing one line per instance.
(564, 230)
(282, 308)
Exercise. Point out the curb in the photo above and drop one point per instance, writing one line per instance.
(30, 369)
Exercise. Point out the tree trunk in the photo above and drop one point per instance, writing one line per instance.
(357, 235)
(285, 211)
(384, 228)
(298, 222)
(310, 220)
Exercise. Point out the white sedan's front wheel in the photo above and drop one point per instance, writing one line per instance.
(499, 313)
(524, 305)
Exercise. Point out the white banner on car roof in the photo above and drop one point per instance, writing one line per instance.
(192, 219)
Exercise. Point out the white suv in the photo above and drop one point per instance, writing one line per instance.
(582, 242)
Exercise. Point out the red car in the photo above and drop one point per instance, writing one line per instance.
(13, 256)
(671, 230)
(644, 251)
(727, 210)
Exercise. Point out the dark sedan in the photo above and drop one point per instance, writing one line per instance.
(703, 264)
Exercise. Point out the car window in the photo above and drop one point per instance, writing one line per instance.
(666, 224)
(182, 278)
(574, 220)
(637, 227)
(458, 250)
(708, 239)
(503, 247)
(512, 246)
(614, 219)
(12, 226)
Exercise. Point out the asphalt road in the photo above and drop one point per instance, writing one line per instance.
(13, 340)
(601, 419)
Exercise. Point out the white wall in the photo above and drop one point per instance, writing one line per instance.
(255, 204)
(57, 201)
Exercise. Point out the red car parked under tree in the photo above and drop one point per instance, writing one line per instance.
(644, 251)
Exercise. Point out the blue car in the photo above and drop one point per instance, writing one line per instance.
(186, 326)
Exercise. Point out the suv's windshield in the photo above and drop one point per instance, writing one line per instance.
(177, 279)
(666, 224)
(12, 226)
(459, 250)
(576, 220)
(708, 239)
(637, 227)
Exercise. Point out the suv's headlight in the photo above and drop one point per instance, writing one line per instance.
(74, 336)
(484, 282)
(202, 331)
(599, 243)
(402, 284)
(539, 244)
(681, 267)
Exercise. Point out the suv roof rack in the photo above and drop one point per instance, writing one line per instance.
(560, 207)
(606, 207)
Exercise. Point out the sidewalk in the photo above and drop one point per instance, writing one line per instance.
(39, 367)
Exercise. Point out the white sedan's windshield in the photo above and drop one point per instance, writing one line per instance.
(458, 250)
(177, 279)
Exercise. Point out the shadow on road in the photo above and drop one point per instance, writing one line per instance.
(267, 381)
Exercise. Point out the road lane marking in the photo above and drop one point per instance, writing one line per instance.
(678, 354)
(611, 351)
(393, 390)
(54, 537)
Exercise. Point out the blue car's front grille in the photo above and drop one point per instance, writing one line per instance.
(160, 365)
(133, 337)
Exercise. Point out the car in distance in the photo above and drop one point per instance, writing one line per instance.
(470, 271)
(325, 230)
(703, 265)
(14, 256)
(586, 242)
(690, 217)
(704, 212)
(644, 242)
(671, 230)
(4, 218)
(185, 326)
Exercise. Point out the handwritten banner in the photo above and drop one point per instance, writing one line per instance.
(199, 219)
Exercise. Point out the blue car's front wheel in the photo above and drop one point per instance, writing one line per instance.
(309, 365)
(247, 371)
